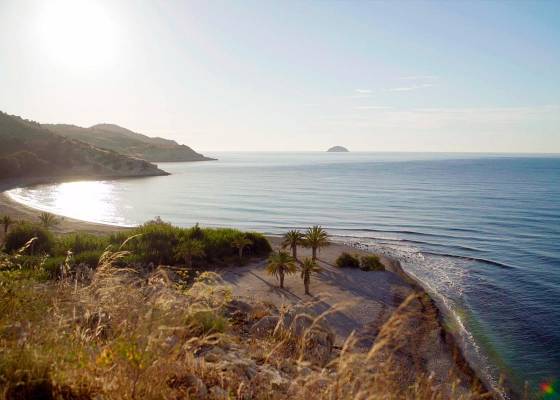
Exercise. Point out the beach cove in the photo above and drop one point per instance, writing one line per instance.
(366, 300)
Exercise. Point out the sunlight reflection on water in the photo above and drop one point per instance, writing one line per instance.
(87, 200)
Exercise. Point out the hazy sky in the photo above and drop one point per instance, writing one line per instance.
(301, 75)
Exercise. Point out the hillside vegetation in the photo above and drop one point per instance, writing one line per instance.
(155, 242)
(121, 330)
(124, 141)
(29, 150)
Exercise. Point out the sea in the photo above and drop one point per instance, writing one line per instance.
(481, 232)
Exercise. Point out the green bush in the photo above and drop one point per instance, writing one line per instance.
(195, 233)
(217, 243)
(91, 258)
(156, 242)
(371, 263)
(206, 321)
(118, 238)
(20, 234)
(80, 243)
(29, 262)
(52, 266)
(260, 246)
(346, 260)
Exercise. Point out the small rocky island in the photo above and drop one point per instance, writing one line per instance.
(337, 149)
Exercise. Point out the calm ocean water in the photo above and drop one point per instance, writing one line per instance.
(481, 232)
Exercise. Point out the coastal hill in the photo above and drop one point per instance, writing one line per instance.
(337, 149)
(29, 150)
(127, 142)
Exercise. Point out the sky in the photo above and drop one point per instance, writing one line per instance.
(291, 75)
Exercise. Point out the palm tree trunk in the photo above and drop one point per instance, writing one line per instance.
(294, 251)
(306, 284)
(281, 279)
(241, 252)
(189, 260)
(314, 253)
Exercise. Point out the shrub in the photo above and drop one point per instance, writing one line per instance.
(52, 266)
(259, 244)
(79, 243)
(195, 232)
(346, 260)
(118, 238)
(23, 233)
(91, 258)
(371, 263)
(29, 262)
(203, 322)
(156, 243)
(217, 243)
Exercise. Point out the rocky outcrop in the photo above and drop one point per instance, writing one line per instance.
(337, 149)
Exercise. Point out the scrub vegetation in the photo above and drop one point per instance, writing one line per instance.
(153, 243)
(123, 332)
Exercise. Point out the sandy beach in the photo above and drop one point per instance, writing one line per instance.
(367, 299)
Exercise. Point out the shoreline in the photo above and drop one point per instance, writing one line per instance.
(20, 211)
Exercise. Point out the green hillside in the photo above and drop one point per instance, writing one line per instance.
(29, 150)
(124, 141)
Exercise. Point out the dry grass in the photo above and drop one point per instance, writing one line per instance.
(121, 333)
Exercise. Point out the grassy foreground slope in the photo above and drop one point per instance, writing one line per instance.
(128, 333)
(116, 324)
(124, 141)
(29, 150)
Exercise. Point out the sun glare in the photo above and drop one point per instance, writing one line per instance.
(88, 200)
(77, 34)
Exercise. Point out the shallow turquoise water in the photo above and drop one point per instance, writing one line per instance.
(481, 232)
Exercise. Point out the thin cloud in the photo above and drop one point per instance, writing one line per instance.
(412, 87)
(373, 108)
(419, 78)
(363, 91)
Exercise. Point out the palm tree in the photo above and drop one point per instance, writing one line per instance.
(316, 237)
(292, 239)
(240, 242)
(307, 268)
(281, 264)
(189, 248)
(48, 220)
(6, 221)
